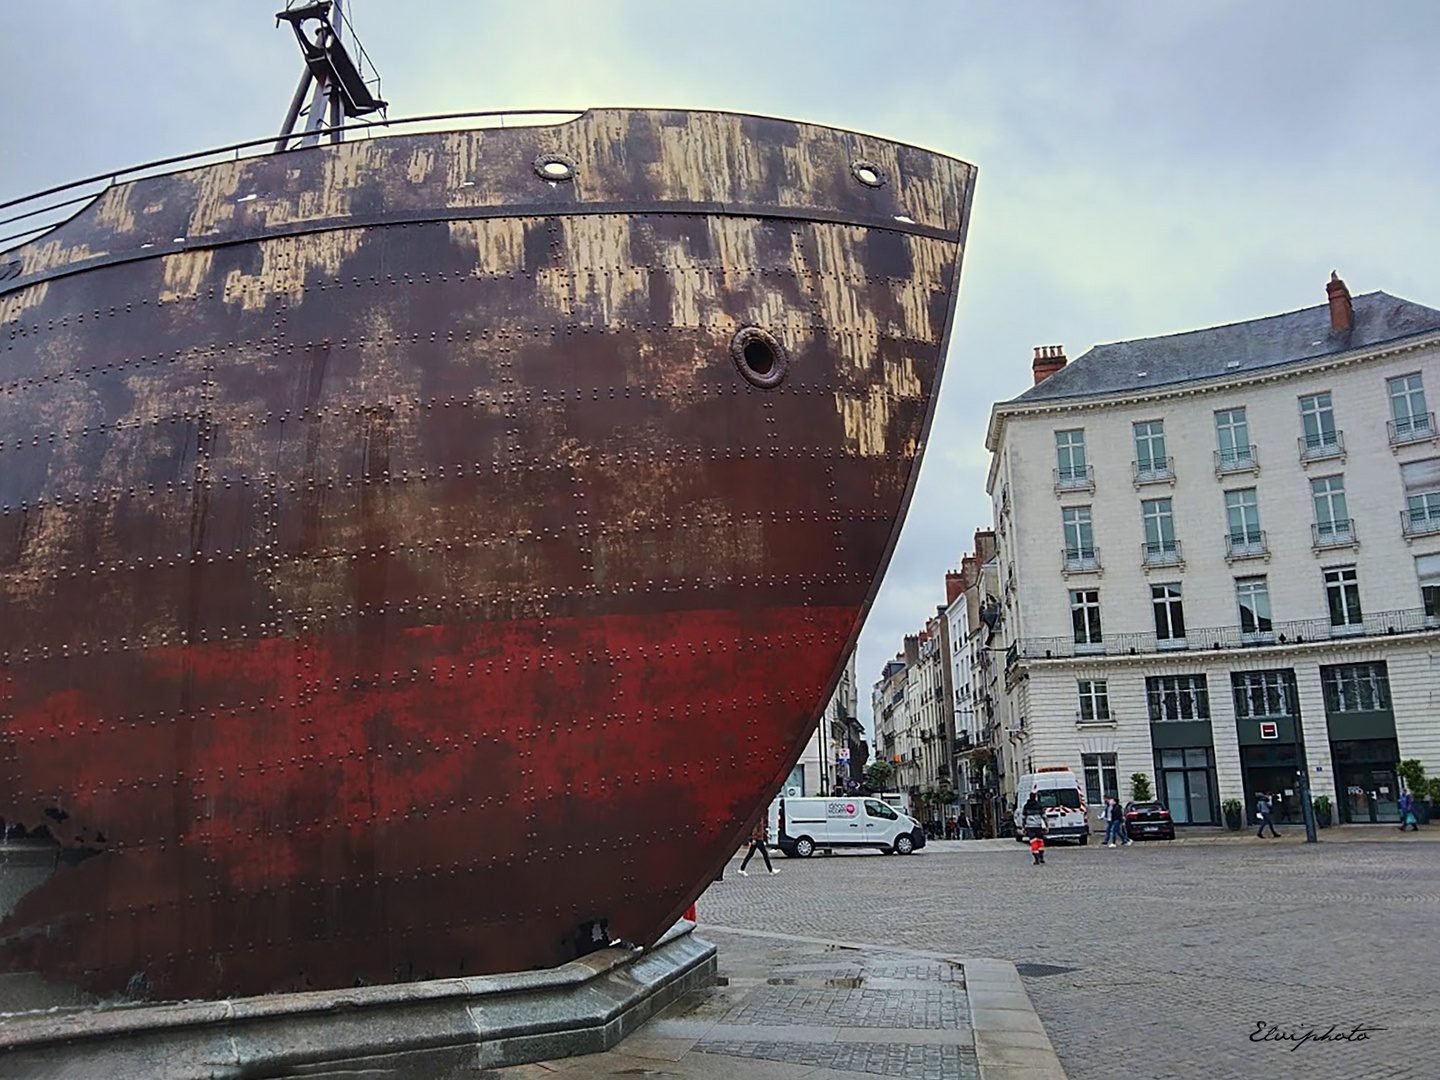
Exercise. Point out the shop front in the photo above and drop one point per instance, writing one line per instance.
(1185, 764)
(1179, 707)
(1272, 747)
(1361, 726)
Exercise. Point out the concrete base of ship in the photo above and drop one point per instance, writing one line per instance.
(439, 1029)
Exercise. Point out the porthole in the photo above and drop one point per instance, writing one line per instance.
(759, 356)
(868, 173)
(557, 168)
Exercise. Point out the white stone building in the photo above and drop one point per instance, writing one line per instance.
(1219, 560)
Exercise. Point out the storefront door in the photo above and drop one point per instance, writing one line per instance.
(1265, 769)
(1369, 787)
(1187, 785)
(1371, 794)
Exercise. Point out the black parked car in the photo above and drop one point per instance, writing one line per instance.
(1148, 821)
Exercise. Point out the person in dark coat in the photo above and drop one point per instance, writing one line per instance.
(1263, 812)
(1032, 820)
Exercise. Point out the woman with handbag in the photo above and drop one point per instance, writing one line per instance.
(757, 841)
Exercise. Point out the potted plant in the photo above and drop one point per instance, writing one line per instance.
(1140, 788)
(1425, 809)
(1321, 805)
(1232, 809)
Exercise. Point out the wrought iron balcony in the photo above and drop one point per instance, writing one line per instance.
(1083, 560)
(1333, 534)
(1327, 444)
(1155, 471)
(1076, 479)
(1238, 459)
(1246, 546)
(1410, 429)
(1161, 553)
(1421, 521)
(1200, 639)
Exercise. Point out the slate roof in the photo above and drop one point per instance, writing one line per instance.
(1258, 344)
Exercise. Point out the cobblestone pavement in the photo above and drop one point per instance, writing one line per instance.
(805, 1010)
(1156, 961)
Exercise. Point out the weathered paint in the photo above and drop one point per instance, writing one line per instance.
(390, 592)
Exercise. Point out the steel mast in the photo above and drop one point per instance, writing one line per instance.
(339, 89)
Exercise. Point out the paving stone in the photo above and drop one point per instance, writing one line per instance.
(875, 1059)
(941, 1006)
(1176, 950)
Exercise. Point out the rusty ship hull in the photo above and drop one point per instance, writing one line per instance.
(417, 565)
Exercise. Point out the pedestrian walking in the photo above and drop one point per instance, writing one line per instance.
(758, 836)
(1114, 822)
(1263, 811)
(1032, 820)
(1407, 813)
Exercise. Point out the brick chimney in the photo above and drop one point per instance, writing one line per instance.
(1050, 359)
(954, 586)
(1342, 312)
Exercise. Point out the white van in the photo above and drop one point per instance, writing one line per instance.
(1060, 794)
(802, 825)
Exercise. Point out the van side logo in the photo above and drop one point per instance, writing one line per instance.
(846, 808)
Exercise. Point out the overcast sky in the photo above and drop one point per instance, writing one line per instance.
(1145, 167)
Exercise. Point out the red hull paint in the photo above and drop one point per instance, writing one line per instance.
(633, 758)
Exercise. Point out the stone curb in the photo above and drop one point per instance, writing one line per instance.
(413, 1029)
(1010, 1040)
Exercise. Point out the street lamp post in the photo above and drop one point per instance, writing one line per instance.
(1306, 808)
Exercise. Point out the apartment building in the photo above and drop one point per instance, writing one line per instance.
(1219, 560)
(914, 719)
(970, 620)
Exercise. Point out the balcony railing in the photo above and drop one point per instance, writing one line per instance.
(1155, 471)
(1200, 639)
(1161, 553)
(1081, 720)
(1327, 444)
(1076, 479)
(1237, 459)
(1333, 534)
(1410, 429)
(1246, 546)
(1420, 522)
(1080, 560)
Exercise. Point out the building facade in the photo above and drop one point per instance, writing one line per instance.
(970, 622)
(837, 751)
(1219, 561)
